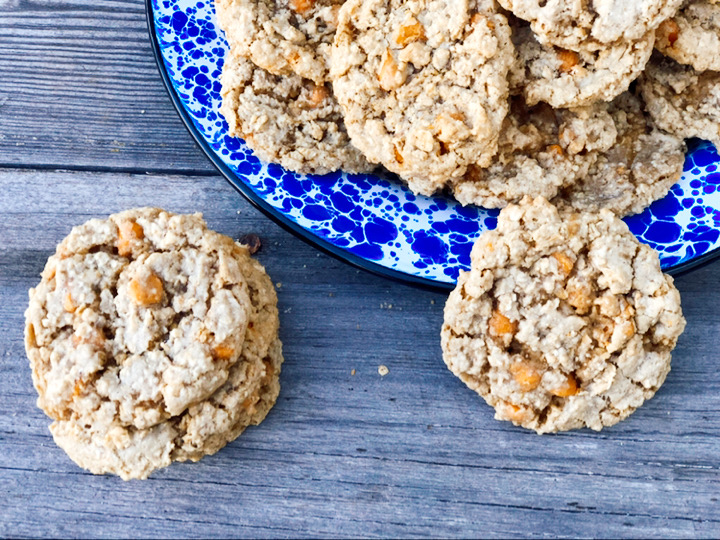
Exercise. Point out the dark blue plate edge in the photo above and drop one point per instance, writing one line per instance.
(304, 234)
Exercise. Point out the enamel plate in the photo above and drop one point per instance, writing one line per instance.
(372, 221)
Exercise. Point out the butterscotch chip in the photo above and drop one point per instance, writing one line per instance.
(130, 234)
(422, 84)
(693, 36)
(283, 37)
(566, 364)
(411, 31)
(287, 120)
(303, 7)
(154, 336)
(146, 289)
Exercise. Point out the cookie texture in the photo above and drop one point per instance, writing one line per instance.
(139, 321)
(541, 151)
(284, 37)
(423, 84)
(681, 100)
(287, 120)
(640, 166)
(565, 78)
(693, 36)
(562, 322)
(579, 25)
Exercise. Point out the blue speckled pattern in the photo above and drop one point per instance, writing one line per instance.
(377, 218)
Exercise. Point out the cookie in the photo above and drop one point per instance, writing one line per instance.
(423, 84)
(591, 26)
(287, 120)
(139, 319)
(565, 78)
(563, 321)
(541, 150)
(639, 168)
(681, 100)
(284, 37)
(693, 35)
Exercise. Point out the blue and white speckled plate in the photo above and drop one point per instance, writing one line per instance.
(372, 221)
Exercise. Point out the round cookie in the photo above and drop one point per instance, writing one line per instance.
(423, 84)
(693, 35)
(139, 321)
(566, 78)
(287, 120)
(145, 310)
(639, 168)
(284, 37)
(541, 150)
(563, 321)
(579, 25)
(682, 101)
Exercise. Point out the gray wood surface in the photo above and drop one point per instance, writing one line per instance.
(85, 130)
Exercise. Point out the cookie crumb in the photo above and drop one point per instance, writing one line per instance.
(278, 285)
(252, 241)
(352, 372)
(383, 370)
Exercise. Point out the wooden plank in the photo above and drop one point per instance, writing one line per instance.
(413, 453)
(80, 89)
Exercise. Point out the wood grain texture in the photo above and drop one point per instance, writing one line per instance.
(414, 453)
(80, 89)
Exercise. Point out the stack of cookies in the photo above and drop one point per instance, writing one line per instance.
(487, 102)
(151, 339)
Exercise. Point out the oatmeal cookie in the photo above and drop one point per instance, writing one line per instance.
(579, 25)
(423, 84)
(287, 120)
(681, 100)
(138, 320)
(639, 168)
(284, 37)
(564, 321)
(541, 150)
(693, 35)
(565, 78)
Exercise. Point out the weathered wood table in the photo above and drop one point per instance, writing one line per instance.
(86, 129)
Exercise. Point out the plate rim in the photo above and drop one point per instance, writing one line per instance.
(297, 230)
